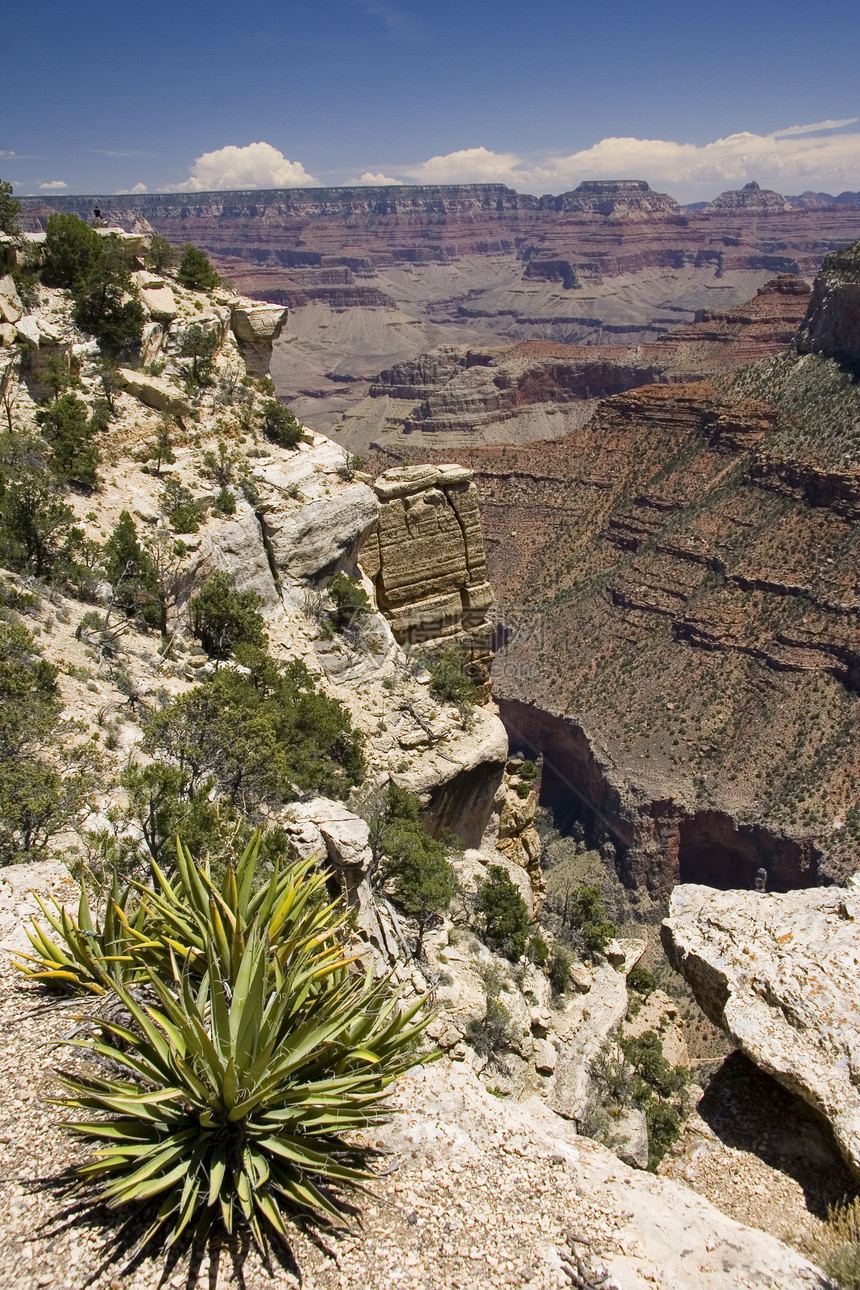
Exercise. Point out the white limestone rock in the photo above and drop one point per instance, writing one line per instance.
(155, 392)
(256, 328)
(663, 1236)
(781, 975)
(235, 545)
(11, 308)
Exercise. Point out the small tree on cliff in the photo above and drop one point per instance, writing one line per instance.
(195, 270)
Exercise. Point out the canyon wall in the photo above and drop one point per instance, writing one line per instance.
(679, 622)
(378, 275)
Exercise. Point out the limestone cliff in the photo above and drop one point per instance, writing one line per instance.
(426, 561)
(832, 323)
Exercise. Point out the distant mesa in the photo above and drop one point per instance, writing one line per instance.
(749, 198)
(612, 196)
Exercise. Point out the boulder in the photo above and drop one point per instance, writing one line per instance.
(629, 1137)
(156, 297)
(11, 308)
(779, 973)
(587, 1022)
(155, 392)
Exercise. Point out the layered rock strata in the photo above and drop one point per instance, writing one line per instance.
(492, 395)
(426, 561)
(779, 973)
(378, 275)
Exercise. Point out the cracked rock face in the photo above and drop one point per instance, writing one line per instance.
(779, 973)
(427, 562)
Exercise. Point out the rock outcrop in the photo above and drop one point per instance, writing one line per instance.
(426, 561)
(779, 973)
(832, 323)
(256, 328)
(749, 198)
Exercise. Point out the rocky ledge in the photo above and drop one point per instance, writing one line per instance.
(779, 974)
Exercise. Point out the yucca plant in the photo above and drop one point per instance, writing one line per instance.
(245, 1062)
(185, 915)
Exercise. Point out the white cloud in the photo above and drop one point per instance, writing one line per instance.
(126, 192)
(467, 166)
(374, 180)
(790, 160)
(817, 125)
(53, 186)
(5, 155)
(258, 165)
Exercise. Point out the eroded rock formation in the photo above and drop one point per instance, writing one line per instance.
(779, 973)
(426, 561)
(378, 275)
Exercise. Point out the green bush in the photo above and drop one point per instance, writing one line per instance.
(38, 533)
(222, 617)
(195, 271)
(490, 1035)
(645, 1054)
(9, 209)
(265, 736)
(527, 774)
(200, 344)
(228, 1101)
(664, 1128)
(161, 256)
(280, 425)
(504, 913)
(449, 683)
(44, 781)
(584, 908)
(349, 599)
(102, 306)
(558, 969)
(182, 509)
(413, 864)
(72, 248)
(641, 980)
(70, 433)
(131, 572)
(97, 272)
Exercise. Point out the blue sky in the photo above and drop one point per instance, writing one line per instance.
(101, 97)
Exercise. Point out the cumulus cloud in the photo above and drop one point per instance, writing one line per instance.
(5, 155)
(257, 165)
(467, 166)
(53, 186)
(126, 192)
(792, 159)
(371, 179)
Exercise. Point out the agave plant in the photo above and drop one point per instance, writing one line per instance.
(144, 925)
(253, 1045)
(231, 1103)
(186, 915)
(89, 954)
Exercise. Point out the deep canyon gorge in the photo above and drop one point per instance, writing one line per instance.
(671, 535)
